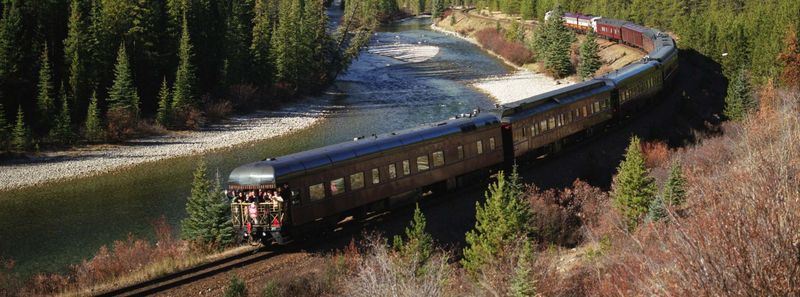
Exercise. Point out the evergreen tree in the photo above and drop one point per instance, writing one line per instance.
(315, 39)
(263, 20)
(552, 44)
(633, 188)
(739, 100)
(44, 101)
(4, 136)
(73, 52)
(237, 37)
(183, 89)
(93, 128)
(674, 192)
(419, 243)
(11, 31)
(209, 213)
(284, 41)
(20, 134)
(164, 105)
(438, 8)
(657, 209)
(123, 95)
(62, 129)
(527, 9)
(99, 51)
(590, 61)
(521, 284)
(497, 226)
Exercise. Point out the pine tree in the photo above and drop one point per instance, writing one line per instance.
(93, 128)
(674, 192)
(521, 284)
(284, 41)
(527, 9)
(11, 31)
(419, 243)
(497, 226)
(123, 95)
(739, 100)
(164, 104)
(437, 8)
(73, 52)
(237, 36)
(44, 101)
(633, 188)
(260, 47)
(20, 134)
(4, 136)
(209, 212)
(657, 210)
(183, 88)
(62, 129)
(552, 44)
(590, 61)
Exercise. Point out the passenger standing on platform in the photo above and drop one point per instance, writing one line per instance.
(253, 210)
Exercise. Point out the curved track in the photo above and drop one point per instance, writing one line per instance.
(179, 278)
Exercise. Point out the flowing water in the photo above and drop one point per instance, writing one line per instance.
(46, 228)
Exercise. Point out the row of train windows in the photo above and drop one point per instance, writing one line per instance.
(424, 163)
(639, 88)
(607, 29)
(562, 119)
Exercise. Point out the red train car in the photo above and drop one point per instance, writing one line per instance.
(638, 36)
(610, 28)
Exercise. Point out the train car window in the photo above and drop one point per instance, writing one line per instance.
(392, 171)
(337, 186)
(406, 167)
(543, 126)
(491, 143)
(551, 122)
(422, 163)
(376, 176)
(585, 111)
(597, 106)
(316, 192)
(461, 152)
(479, 146)
(438, 158)
(357, 181)
(603, 105)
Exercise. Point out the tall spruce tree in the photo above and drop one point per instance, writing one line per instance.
(93, 127)
(19, 141)
(527, 9)
(123, 94)
(45, 103)
(284, 42)
(419, 243)
(62, 128)
(590, 61)
(657, 210)
(260, 47)
(237, 37)
(315, 40)
(633, 189)
(521, 283)
(739, 100)
(497, 226)
(674, 192)
(4, 128)
(208, 222)
(73, 50)
(11, 33)
(183, 94)
(164, 104)
(552, 42)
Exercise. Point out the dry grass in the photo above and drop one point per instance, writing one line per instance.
(513, 51)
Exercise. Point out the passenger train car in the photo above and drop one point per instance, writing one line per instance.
(281, 198)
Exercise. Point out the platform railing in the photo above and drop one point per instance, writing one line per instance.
(266, 213)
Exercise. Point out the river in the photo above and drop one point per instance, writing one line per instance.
(46, 228)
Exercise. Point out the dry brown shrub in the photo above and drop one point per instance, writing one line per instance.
(656, 153)
(559, 216)
(740, 236)
(218, 111)
(188, 118)
(243, 95)
(514, 52)
(121, 124)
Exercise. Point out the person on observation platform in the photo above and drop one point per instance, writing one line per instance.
(252, 209)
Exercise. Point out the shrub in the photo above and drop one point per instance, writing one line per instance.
(236, 288)
(121, 124)
(656, 153)
(218, 111)
(188, 118)
(559, 216)
(515, 52)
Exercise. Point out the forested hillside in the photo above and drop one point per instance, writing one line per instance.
(87, 66)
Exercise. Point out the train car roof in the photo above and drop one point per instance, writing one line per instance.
(635, 27)
(598, 87)
(558, 95)
(265, 172)
(627, 72)
(612, 22)
(663, 53)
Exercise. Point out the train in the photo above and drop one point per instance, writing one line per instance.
(319, 187)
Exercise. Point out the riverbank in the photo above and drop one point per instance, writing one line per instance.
(91, 160)
(527, 80)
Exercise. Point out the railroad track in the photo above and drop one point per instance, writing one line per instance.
(193, 274)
